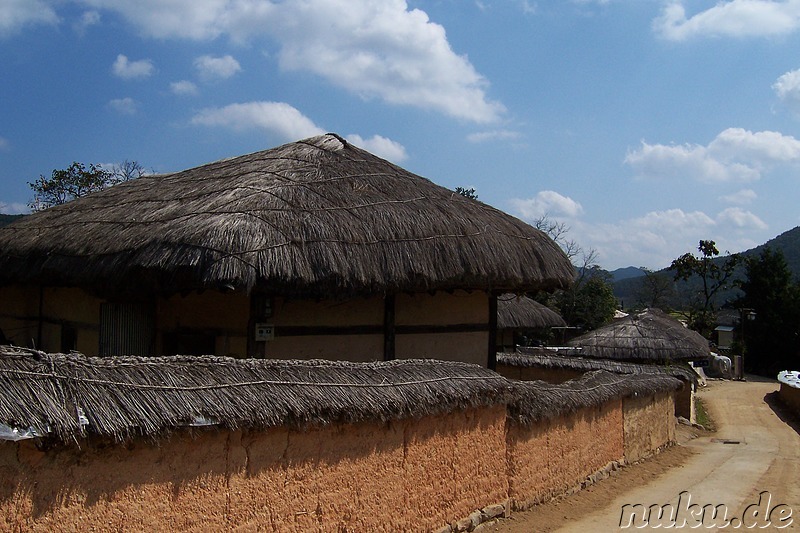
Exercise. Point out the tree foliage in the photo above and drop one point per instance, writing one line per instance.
(715, 274)
(772, 338)
(654, 289)
(467, 192)
(78, 180)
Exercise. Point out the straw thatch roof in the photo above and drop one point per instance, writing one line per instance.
(521, 312)
(72, 396)
(317, 217)
(533, 357)
(648, 336)
(537, 400)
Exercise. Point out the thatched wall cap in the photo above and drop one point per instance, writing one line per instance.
(647, 336)
(318, 217)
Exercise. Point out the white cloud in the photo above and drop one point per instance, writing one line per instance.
(742, 197)
(787, 88)
(14, 208)
(375, 49)
(4, 144)
(125, 106)
(217, 67)
(735, 18)
(183, 87)
(734, 155)
(275, 117)
(16, 14)
(494, 135)
(129, 70)
(741, 219)
(546, 203)
(86, 20)
(380, 146)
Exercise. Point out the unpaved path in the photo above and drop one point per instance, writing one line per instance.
(755, 448)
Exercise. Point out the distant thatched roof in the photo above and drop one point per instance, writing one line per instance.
(650, 336)
(71, 396)
(537, 400)
(521, 312)
(318, 217)
(531, 357)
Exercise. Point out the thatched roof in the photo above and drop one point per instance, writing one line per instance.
(537, 400)
(532, 357)
(317, 217)
(648, 336)
(521, 312)
(72, 396)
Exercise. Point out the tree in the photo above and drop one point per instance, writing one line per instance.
(467, 193)
(589, 302)
(654, 290)
(77, 180)
(772, 338)
(714, 275)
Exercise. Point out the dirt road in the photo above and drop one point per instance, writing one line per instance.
(752, 450)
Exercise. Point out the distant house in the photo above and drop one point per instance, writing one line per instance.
(314, 249)
(522, 321)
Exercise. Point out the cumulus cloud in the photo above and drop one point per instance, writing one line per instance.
(130, 70)
(86, 20)
(735, 18)
(742, 197)
(787, 87)
(493, 135)
(217, 67)
(546, 203)
(381, 50)
(14, 208)
(734, 155)
(16, 14)
(183, 87)
(739, 218)
(124, 106)
(381, 146)
(285, 121)
(275, 117)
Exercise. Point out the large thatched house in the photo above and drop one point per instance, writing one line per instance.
(314, 249)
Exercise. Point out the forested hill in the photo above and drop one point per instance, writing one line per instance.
(8, 219)
(788, 243)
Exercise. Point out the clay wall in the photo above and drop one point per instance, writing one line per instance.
(550, 375)
(399, 476)
(555, 455)
(649, 425)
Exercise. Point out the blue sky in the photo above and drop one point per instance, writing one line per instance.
(643, 125)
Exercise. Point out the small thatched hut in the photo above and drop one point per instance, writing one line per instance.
(314, 249)
(650, 336)
(520, 317)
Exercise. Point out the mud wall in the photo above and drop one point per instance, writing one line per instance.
(405, 475)
(550, 375)
(649, 425)
(555, 455)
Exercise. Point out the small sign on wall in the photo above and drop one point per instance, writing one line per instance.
(265, 332)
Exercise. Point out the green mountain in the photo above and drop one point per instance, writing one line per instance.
(8, 219)
(626, 290)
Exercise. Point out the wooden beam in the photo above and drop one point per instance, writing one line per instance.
(389, 327)
(492, 355)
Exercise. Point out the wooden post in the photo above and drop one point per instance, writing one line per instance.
(492, 359)
(388, 327)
